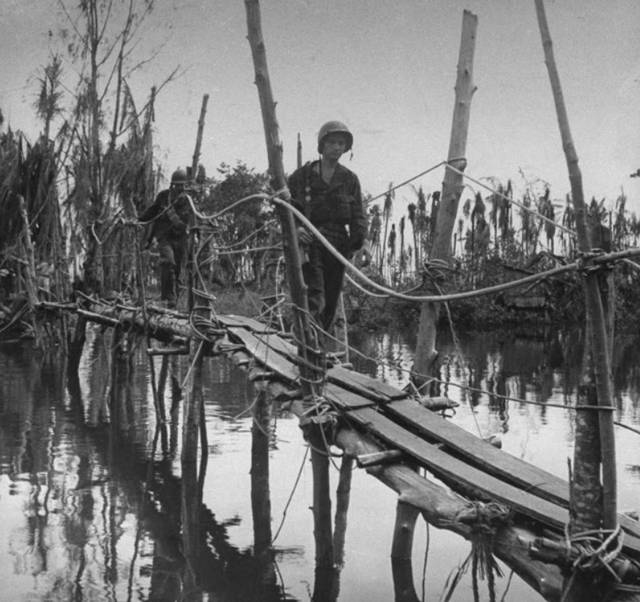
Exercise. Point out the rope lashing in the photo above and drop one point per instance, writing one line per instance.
(285, 201)
(484, 516)
(591, 550)
(435, 269)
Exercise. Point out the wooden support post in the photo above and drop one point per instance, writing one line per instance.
(451, 191)
(310, 369)
(276, 169)
(260, 493)
(583, 585)
(401, 548)
(342, 508)
(593, 301)
(191, 492)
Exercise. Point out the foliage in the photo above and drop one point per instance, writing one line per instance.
(244, 234)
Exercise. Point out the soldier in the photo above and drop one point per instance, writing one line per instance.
(170, 216)
(330, 197)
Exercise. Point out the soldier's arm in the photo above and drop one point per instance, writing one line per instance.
(358, 223)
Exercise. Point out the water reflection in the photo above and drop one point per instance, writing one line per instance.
(105, 515)
(99, 504)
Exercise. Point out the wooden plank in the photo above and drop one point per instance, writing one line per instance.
(631, 528)
(481, 453)
(458, 474)
(364, 385)
(265, 355)
(345, 399)
(231, 320)
(348, 379)
(361, 384)
(280, 345)
(493, 461)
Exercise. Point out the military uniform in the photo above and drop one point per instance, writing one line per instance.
(170, 216)
(336, 210)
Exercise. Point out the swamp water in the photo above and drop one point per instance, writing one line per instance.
(93, 496)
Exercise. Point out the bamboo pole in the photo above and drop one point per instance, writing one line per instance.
(593, 301)
(190, 484)
(452, 188)
(196, 152)
(307, 346)
(274, 151)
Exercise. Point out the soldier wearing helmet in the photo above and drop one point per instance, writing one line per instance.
(329, 195)
(170, 216)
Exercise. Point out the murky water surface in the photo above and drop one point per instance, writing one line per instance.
(96, 505)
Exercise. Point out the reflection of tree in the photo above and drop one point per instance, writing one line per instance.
(26, 431)
(97, 477)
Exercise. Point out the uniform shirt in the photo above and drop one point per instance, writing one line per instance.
(170, 217)
(334, 208)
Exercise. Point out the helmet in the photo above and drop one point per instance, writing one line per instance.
(179, 176)
(334, 127)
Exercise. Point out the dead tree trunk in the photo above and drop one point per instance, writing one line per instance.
(451, 191)
(196, 152)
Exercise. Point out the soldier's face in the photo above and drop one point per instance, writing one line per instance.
(334, 145)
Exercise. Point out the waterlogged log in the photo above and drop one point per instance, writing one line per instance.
(163, 326)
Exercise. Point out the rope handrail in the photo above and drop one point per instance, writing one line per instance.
(418, 298)
(275, 197)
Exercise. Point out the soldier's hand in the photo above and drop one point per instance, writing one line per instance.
(304, 236)
(363, 257)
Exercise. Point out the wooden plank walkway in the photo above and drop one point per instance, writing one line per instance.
(464, 462)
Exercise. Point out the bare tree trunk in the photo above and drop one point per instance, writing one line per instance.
(451, 191)
(196, 152)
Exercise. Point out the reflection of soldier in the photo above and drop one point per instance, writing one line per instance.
(170, 216)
